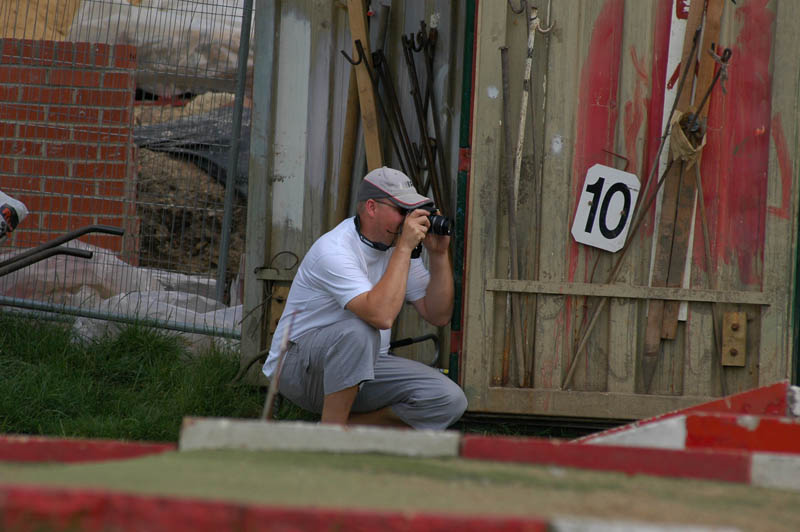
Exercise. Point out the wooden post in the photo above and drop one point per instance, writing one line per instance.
(366, 95)
(688, 189)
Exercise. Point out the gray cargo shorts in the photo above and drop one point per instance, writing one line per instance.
(345, 354)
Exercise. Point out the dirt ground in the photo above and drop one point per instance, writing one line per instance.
(434, 485)
(181, 210)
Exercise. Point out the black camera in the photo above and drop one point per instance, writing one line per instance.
(440, 225)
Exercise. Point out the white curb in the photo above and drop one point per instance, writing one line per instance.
(773, 470)
(578, 524)
(206, 433)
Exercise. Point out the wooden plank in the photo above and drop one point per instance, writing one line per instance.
(781, 234)
(482, 206)
(688, 189)
(580, 404)
(320, 104)
(258, 245)
(623, 291)
(359, 31)
(668, 207)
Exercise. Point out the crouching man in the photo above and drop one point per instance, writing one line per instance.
(347, 293)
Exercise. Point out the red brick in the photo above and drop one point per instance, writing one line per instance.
(109, 242)
(83, 54)
(102, 134)
(99, 170)
(120, 117)
(102, 55)
(42, 167)
(29, 53)
(114, 221)
(104, 98)
(44, 132)
(96, 206)
(25, 238)
(72, 187)
(124, 56)
(20, 147)
(46, 95)
(112, 189)
(64, 53)
(22, 75)
(115, 153)
(47, 52)
(80, 115)
(8, 130)
(65, 222)
(12, 184)
(71, 78)
(9, 93)
(7, 164)
(10, 51)
(44, 204)
(116, 80)
(72, 151)
(20, 111)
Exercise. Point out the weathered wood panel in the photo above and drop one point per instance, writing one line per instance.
(606, 72)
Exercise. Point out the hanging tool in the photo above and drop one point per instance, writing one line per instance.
(408, 48)
(428, 50)
(516, 304)
(534, 26)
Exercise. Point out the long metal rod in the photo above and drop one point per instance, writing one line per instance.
(516, 306)
(233, 159)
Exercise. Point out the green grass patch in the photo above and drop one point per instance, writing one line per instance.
(135, 386)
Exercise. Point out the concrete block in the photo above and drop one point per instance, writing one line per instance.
(221, 433)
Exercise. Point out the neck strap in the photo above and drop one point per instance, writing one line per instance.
(380, 246)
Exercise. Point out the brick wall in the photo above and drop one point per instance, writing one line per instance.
(66, 145)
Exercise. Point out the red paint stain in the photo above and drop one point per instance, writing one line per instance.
(597, 102)
(634, 113)
(785, 166)
(736, 156)
(655, 111)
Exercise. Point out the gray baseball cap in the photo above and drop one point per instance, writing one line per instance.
(393, 185)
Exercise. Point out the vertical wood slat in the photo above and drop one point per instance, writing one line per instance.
(638, 57)
(782, 207)
(482, 206)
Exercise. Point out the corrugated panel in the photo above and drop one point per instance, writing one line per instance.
(598, 82)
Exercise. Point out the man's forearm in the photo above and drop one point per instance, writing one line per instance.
(440, 292)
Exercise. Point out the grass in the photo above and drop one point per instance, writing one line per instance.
(139, 385)
(135, 386)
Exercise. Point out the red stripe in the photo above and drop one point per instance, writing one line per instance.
(39, 449)
(752, 433)
(730, 466)
(767, 400)
(30, 508)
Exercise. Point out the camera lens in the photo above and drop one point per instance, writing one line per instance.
(440, 225)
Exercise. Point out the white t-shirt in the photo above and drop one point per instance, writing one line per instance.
(337, 268)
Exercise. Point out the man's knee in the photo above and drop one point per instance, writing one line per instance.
(455, 403)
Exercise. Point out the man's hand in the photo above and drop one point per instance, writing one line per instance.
(436, 244)
(415, 227)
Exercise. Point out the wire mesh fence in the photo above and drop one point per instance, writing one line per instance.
(121, 113)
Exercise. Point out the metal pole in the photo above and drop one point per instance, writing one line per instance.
(233, 160)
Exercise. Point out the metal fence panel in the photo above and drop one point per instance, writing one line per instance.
(122, 114)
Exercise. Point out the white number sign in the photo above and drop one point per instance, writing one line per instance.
(603, 216)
